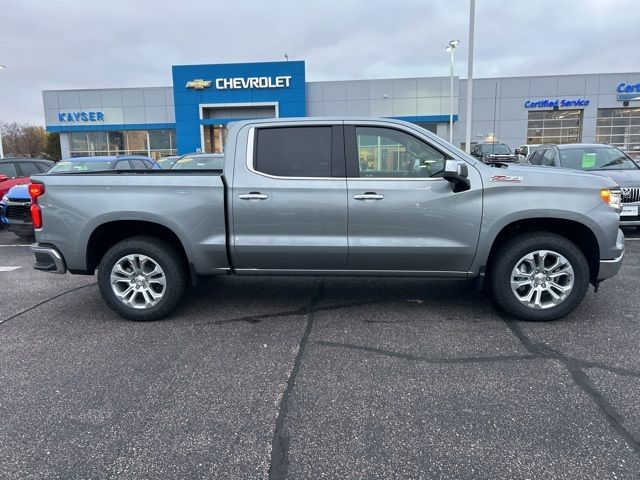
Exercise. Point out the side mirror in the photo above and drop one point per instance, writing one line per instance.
(518, 151)
(3, 178)
(457, 172)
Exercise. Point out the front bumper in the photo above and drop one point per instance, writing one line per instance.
(48, 259)
(611, 267)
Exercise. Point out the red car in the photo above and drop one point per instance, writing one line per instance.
(14, 171)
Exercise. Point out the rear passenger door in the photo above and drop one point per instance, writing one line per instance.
(289, 205)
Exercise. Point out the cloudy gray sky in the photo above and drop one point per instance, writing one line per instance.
(125, 43)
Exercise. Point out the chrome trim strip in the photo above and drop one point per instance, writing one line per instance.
(249, 164)
(58, 261)
(371, 273)
(609, 268)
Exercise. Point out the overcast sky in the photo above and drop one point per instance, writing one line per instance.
(126, 43)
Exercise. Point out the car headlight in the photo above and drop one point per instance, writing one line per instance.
(5, 199)
(612, 197)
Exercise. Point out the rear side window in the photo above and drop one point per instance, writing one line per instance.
(139, 165)
(43, 167)
(293, 151)
(28, 169)
(8, 169)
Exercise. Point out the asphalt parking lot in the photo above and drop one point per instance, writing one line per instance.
(315, 378)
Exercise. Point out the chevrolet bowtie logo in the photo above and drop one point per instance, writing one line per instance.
(199, 84)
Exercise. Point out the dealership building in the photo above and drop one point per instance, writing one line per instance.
(192, 115)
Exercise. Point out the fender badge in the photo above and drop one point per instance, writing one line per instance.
(506, 178)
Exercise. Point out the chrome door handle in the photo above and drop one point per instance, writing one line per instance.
(253, 196)
(368, 196)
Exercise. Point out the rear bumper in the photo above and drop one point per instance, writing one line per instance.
(611, 267)
(48, 259)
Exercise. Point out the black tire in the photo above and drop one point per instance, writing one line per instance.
(516, 248)
(171, 262)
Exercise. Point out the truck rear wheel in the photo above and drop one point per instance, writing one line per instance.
(142, 278)
(539, 276)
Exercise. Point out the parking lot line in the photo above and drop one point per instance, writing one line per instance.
(8, 269)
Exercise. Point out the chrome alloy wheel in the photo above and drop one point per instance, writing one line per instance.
(138, 281)
(542, 279)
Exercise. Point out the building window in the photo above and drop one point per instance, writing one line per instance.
(152, 143)
(554, 126)
(619, 127)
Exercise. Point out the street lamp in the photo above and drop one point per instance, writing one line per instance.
(451, 48)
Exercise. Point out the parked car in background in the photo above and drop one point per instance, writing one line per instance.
(15, 211)
(601, 159)
(523, 151)
(199, 161)
(493, 152)
(98, 163)
(167, 162)
(16, 171)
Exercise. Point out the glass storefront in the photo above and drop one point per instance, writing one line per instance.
(554, 126)
(152, 143)
(619, 127)
(214, 137)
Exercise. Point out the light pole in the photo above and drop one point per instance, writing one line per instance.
(451, 48)
(2, 67)
(468, 116)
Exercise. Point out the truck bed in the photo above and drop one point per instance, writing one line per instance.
(190, 203)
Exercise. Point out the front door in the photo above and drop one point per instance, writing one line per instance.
(403, 216)
(290, 200)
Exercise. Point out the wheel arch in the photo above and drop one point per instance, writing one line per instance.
(578, 233)
(109, 233)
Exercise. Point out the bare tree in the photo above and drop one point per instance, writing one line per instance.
(23, 140)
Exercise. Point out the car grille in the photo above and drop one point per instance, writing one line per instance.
(630, 195)
(18, 212)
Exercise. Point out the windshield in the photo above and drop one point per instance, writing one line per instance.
(167, 162)
(199, 162)
(495, 149)
(79, 166)
(596, 158)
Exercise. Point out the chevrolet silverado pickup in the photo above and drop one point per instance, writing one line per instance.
(332, 196)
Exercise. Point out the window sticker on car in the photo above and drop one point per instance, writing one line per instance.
(588, 160)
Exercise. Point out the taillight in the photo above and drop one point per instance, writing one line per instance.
(36, 190)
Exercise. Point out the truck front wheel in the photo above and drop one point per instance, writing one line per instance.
(539, 276)
(142, 278)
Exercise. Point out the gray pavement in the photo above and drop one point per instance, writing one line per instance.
(315, 378)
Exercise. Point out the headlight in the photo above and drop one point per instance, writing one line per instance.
(612, 196)
(5, 199)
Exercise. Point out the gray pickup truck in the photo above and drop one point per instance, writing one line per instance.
(359, 197)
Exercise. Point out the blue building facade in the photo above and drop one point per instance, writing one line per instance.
(207, 97)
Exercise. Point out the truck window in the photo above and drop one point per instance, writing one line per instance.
(293, 151)
(536, 157)
(548, 159)
(389, 153)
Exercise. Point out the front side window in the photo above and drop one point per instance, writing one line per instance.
(123, 165)
(536, 158)
(548, 159)
(293, 151)
(389, 153)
